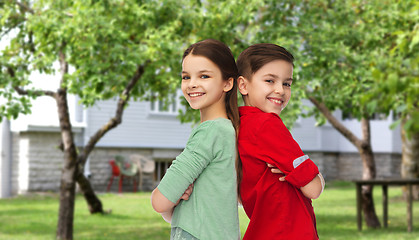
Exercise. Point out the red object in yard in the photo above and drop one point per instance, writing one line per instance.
(116, 172)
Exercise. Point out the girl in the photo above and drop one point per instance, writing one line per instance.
(277, 210)
(209, 84)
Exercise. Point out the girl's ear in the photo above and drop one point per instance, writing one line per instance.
(229, 84)
(242, 85)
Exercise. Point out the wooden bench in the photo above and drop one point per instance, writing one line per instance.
(385, 183)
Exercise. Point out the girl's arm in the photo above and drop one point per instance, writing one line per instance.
(160, 203)
(164, 206)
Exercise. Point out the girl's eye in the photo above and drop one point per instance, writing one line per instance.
(269, 81)
(205, 76)
(287, 84)
(185, 77)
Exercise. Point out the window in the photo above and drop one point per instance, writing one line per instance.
(161, 168)
(161, 107)
(379, 116)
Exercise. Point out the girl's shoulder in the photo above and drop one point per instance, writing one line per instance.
(218, 130)
(220, 123)
(214, 128)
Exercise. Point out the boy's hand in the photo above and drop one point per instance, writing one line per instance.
(276, 170)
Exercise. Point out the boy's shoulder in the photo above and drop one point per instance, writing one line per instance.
(255, 114)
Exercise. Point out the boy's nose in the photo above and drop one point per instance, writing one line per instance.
(279, 90)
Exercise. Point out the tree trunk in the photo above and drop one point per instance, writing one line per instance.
(69, 171)
(368, 172)
(93, 202)
(365, 150)
(410, 159)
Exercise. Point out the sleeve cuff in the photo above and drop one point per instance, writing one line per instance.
(303, 174)
(171, 187)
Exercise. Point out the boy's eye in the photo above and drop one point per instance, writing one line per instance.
(185, 77)
(205, 76)
(269, 81)
(287, 84)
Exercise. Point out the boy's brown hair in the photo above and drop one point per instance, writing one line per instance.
(258, 55)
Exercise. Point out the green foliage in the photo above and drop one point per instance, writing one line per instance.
(395, 68)
(335, 44)
(105, 42)
(356, 56)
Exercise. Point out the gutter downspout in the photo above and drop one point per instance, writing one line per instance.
(5, 160)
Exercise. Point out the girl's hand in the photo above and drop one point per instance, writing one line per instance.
(186, 194)
(276, 170)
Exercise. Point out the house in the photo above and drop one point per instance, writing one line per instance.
(31, 161)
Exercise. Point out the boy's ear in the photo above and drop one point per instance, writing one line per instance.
(229, 84)
(242, 85)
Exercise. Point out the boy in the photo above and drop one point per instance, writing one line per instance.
(277, 210)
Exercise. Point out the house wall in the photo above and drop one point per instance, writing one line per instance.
(101, 172)
(348, 166)
(37, 164)
(160, 136)
(140, 127)
(327, 139)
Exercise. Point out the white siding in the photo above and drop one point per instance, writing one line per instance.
(326, 138)
(139, 127)
(306, 135)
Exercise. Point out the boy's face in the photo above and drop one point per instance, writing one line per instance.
(270, 87)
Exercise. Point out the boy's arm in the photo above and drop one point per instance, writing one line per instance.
(311, 190)
(314, 188)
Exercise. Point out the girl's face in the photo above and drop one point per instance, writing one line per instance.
(203, 86)
(270, 87)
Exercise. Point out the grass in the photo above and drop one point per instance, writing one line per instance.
(35, 217)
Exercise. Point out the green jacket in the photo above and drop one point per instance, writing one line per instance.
(209, 157)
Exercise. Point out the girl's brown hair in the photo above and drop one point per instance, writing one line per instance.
(221, 55)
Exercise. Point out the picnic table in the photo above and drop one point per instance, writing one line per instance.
(385, 183)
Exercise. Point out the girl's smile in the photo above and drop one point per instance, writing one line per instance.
(203, 86)
(195, 94)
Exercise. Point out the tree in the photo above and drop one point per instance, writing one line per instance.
(105, 49)
(396, 76)
(334, 43)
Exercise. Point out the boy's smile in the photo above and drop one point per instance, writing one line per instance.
(270, 87)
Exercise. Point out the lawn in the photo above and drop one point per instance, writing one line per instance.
(35, 217)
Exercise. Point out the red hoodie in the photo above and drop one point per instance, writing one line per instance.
(277, 210)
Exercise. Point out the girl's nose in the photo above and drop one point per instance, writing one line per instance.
(193, 83)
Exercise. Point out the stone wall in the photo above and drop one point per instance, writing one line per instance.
(100, 169)
(348, 166)
(37, 164)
